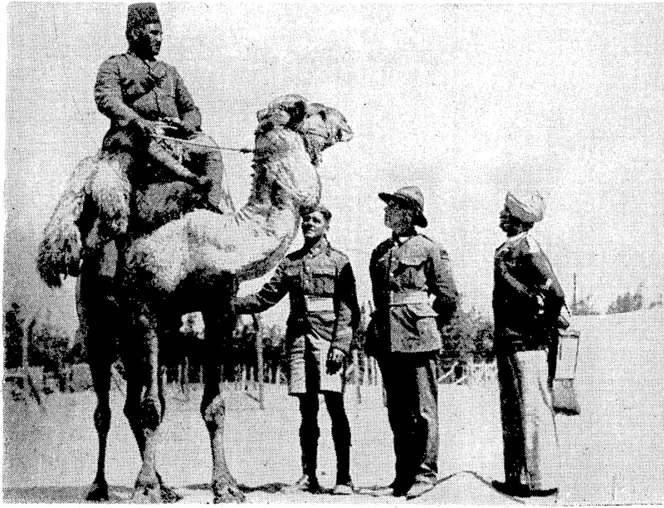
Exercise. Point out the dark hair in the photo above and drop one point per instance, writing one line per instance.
(308, 210)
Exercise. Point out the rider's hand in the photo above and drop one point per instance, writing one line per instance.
(335, 360)
(145, 127)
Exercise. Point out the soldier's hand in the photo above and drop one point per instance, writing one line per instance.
(335, 360)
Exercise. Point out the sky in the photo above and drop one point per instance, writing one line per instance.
(467, 101)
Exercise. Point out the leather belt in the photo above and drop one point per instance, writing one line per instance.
(406, 297)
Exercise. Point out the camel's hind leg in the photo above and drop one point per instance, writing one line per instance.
(218, 327)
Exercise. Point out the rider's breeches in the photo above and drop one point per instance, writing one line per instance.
(207, 162)
(200, 160)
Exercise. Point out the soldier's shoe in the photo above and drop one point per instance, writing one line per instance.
(305, 484)
(343, 489)
(540, 492)
(419, 488)
(394, 489)
(514, 489)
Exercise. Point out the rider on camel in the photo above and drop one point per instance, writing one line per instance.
(155, 136)
(149, 105)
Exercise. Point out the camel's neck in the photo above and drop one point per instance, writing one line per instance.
(249, 242)
(268, 234)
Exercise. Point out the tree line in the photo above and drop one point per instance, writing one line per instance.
(468, 338)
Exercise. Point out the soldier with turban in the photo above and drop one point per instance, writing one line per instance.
(527, 300)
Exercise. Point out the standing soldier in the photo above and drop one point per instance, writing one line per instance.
(324, 312)
(406, 269)
(527, 299)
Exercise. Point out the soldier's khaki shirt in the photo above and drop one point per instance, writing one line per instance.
(323, 298)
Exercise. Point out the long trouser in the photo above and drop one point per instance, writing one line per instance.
(309, 433)
(530, 442)
(412, 407)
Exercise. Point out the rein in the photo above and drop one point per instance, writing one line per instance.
(204, 145)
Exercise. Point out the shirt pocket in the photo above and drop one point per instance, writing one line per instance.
(293, 275)
(424, 318)
(323, 279)
(410, 272)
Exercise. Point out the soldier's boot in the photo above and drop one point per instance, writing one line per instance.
(344, 485)
(342, 444)
(309, 481)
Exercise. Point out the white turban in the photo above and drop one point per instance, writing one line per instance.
(525, 206)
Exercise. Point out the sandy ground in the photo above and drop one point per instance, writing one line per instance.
(613, 453)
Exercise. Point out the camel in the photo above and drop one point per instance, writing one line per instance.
(191, 264)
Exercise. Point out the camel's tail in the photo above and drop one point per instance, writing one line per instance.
(61, 248)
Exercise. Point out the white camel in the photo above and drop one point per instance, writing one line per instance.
(191, 264)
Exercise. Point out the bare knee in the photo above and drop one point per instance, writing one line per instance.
(213, 412)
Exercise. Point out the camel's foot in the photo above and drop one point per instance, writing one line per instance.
(98, 492)
(154, 492)
(147, 494)
(168, 495)
(227, 492)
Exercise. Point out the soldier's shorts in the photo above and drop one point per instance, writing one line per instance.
(308, 367)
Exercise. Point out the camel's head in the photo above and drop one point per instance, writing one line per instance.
(291, 135)
(326, 125)
(320, 126)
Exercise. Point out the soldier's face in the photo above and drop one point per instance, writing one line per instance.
(149, 38)
(314, 226)
(508, 223)
(398, 218)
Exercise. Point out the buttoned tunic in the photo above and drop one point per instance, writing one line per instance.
(128, 87)
(405, 272)
(323, 308)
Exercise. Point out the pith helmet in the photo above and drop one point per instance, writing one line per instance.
(412, 197)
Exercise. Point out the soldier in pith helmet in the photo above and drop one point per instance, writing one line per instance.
(409, 270)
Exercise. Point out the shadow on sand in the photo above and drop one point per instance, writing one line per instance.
(66, 495)
(119, 494)
(371, 491)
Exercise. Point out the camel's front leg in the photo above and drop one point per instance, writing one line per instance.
(97, 315)
(224, 487)
(148, 416)
(101, 376)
